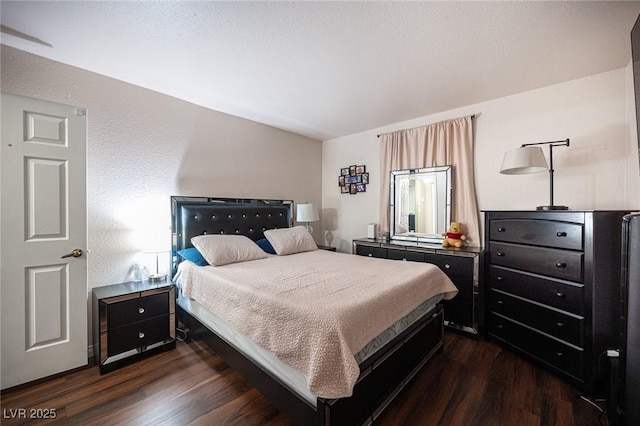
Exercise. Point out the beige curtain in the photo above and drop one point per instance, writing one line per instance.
(446, 143)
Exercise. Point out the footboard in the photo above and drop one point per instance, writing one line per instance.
(382, 377)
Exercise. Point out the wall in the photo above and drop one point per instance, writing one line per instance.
(144, 147)
(596, 172)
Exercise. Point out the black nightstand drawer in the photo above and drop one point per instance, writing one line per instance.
(371, 251)
(562, 356)
(564, 296)
(138, 309)
(140, 334)
(562, 264)
(413, 256)
(566, 327)
(537, 232)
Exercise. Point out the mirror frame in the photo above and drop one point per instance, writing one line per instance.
(426, 238)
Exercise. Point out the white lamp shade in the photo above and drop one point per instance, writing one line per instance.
(523, 160)
(306, 212)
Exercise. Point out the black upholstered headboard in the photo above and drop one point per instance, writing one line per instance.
(192, 216)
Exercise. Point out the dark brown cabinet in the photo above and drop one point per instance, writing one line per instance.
(131, 320)
(552, 288)
(462, 266)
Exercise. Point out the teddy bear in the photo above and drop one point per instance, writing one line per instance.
(453, 237)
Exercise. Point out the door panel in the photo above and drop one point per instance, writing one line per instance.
(45, 192)
(46, 307)
(43, 217)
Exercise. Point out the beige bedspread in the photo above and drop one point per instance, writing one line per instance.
(315, 310)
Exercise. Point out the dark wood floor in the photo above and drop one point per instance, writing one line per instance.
(470, 383)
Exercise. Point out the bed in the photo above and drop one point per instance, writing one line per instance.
(375, 362)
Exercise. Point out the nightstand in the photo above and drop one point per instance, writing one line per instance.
(328, 248)
(131, 320)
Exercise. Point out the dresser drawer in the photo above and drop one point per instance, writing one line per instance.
(142, 333)
(564, 296)
(564, 357)
(457, 312)
(537, 232)
(137, 309)
(459, 269)
(562, 264)
(414, 256)
(563, 326)
(371, 251)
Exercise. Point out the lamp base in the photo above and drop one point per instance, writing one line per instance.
(157, 277)
(552, 208)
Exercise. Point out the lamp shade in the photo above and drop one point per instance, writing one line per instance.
(306, 212)
(523, 160)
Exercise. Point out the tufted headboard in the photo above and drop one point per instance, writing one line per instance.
(192, 216)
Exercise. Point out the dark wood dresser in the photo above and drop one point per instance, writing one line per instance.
(131, 320)
(553, 288)
(462, 265)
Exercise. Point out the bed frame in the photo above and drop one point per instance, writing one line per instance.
(382, 376)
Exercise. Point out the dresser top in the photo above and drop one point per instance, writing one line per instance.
(427, 247)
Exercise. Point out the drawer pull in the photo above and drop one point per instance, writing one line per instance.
(500, 326)
(560, 324)
(500, 302)
(500, 253)
(560, 294)
(501, 229)
(559, 354)
(141, 310)
(561, 234)
(370, 255)
(561, 264)
(140, 335)
(447, 266)
(499, 278)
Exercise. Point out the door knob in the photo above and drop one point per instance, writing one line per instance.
(74, 253)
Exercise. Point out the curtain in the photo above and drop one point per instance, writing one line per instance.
(446, 143)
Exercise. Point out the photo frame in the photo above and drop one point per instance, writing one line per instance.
(353, 179)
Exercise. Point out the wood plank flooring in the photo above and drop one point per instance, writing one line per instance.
(470, 383)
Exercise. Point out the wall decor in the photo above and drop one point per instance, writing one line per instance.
(353, 179)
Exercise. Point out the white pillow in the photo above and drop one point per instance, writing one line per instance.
(290, 240)
(221, 250)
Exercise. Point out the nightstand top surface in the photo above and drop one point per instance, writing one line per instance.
(129, 287)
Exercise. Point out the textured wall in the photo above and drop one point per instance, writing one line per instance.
(144, 147)
(598, 171)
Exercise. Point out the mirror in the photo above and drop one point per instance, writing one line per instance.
(420, 204)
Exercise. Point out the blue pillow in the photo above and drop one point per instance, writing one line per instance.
(265, 245)
(192, 254)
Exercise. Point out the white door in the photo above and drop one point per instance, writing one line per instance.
(43, 217)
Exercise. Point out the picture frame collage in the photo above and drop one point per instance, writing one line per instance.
(353, 179)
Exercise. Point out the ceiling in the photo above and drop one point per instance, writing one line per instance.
(328, 69)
